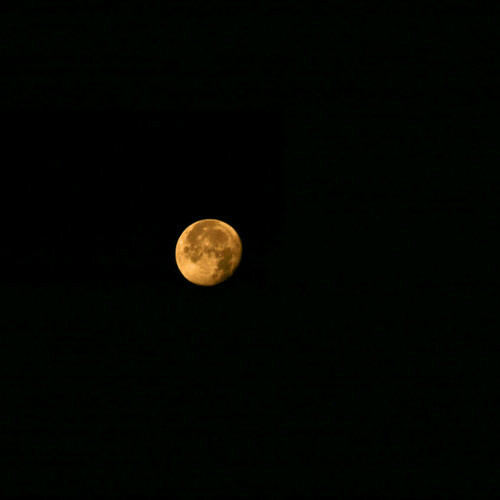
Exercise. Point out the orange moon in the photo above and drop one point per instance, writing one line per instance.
(208, 252)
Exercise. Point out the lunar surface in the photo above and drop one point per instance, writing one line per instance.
(208, 252)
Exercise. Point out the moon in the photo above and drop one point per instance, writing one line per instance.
(208, 252)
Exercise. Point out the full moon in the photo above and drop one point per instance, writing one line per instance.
(208, 252)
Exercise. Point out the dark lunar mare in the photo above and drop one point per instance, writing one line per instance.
(196, 233)
(225, 263)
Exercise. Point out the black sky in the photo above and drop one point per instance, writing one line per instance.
(350, 151)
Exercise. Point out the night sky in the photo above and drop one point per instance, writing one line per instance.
(336, 359)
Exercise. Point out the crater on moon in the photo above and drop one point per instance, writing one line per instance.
(208, 252)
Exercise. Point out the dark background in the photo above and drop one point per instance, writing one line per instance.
(351, 150)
